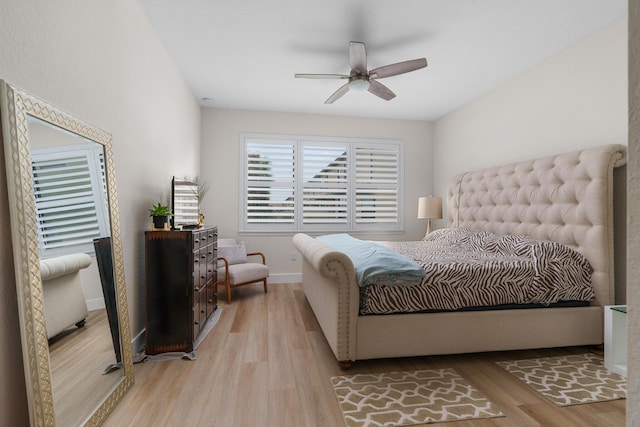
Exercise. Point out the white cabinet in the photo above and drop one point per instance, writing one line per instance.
(615, 338)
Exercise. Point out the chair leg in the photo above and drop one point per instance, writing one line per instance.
(228, 285)
(265, 285)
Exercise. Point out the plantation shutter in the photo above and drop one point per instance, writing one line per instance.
(270, 177)
(320, 184)
(377, 184)
(325, 184)
(70, 198)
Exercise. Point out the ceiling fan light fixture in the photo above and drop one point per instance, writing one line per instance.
(359, 84)
(361, 80)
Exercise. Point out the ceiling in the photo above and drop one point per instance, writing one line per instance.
(242, 54)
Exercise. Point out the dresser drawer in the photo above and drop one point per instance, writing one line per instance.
(212, 297)
(198, 261)
(196, 319)
(203, 237)
(211, 235)
(207, 237)
(202, 314)
(196, 240)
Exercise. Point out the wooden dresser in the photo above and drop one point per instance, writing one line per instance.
(180, 287)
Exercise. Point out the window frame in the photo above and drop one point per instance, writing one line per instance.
(297, 225)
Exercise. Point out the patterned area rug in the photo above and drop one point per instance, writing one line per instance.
(409, 398)
(569, 380)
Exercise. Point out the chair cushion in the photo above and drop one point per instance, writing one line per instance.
(247, 272)
(235, 254)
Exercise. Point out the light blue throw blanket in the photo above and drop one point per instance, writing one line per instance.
(375, 263)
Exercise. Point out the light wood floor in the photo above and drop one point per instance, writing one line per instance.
(266, 363)
(77, 359)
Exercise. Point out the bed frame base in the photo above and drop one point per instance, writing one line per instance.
(479, 331)
(351, 337)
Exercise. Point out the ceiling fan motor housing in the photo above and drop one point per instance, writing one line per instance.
(359, 83)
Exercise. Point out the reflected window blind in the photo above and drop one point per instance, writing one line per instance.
(70, 197)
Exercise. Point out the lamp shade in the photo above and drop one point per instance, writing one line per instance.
(430, 207)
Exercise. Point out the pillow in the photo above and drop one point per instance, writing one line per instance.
(235, 254)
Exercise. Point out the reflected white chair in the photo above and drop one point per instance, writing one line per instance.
(234, 269)
(63, 296)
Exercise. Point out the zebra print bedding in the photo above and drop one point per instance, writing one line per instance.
(469, 268)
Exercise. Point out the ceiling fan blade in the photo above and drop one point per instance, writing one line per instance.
(337, 94)
(358, 57)
(378, 89)
(398, 68)
(320, 76)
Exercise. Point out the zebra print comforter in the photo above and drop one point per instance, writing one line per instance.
(466, 268)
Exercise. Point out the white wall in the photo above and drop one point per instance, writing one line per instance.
(220, 167)
(576, 99)
(100, 61)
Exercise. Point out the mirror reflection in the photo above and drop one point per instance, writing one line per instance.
(74, 243)
(184, 204)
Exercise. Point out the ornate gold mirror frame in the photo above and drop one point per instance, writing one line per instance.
(15, 108)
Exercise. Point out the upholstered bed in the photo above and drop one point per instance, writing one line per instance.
(566, 198)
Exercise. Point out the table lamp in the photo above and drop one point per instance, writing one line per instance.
(429, 208)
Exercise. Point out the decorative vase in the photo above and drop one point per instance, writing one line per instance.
(160, 223)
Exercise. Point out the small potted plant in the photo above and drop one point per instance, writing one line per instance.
(160, 214)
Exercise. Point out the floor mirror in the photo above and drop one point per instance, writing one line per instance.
(63, 206)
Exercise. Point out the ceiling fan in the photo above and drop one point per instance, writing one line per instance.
(360, 80)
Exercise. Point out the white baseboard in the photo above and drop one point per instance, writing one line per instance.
(285, 278)
(95, 304)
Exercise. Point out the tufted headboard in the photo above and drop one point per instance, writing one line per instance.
(566, 198)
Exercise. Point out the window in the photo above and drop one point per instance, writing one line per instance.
(296, 183)
(71, 198)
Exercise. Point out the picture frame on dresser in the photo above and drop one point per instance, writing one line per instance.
(185, 207)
